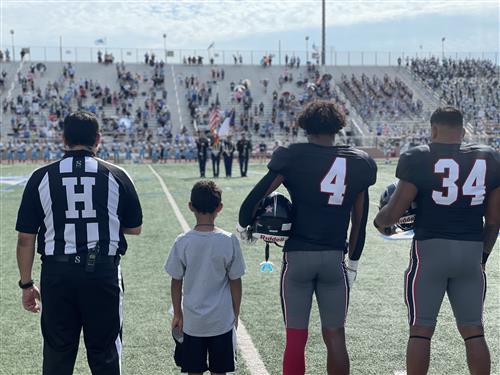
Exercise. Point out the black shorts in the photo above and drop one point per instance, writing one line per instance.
(221, 352)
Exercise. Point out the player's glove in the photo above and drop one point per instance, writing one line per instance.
(351, 270)
(245, 234)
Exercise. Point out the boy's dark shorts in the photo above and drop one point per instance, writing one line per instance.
(221, 352)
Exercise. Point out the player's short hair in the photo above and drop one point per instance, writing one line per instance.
(321, 117)
(81, 128)
(449, 116)
(206, 196)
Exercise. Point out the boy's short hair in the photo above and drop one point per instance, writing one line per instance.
(449, 116)
(206, 196)
(321, 117)
(81, 129)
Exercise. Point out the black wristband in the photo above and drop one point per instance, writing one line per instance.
(27, 285)
(485, 257)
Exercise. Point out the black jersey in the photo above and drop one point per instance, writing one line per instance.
(323, 183)
(453, 183)
(77, 202)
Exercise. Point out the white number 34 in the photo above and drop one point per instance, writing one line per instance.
(474, 185)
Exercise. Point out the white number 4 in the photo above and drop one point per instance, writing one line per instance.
(474, 184)
(334, 182)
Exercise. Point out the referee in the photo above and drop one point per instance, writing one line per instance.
(77, 209)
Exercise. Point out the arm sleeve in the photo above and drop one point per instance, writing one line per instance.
(279, 161)
(174, 265)
(236, 268)
(251, 202)
(132, 212)
(30, 215)
(373, 171)
(496, 170)
(360, 242)
(405, 170)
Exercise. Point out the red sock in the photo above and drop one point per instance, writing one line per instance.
(294, 360)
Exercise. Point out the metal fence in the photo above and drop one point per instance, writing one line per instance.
(252, 57)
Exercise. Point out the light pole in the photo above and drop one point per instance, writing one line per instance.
(323, 35)
(12, 39)
(442, 47)
(165, 46)
(307, 49)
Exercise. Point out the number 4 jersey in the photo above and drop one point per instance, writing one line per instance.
(453, 183)
(323, 182)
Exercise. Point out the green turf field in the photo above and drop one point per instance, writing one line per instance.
(376, 326)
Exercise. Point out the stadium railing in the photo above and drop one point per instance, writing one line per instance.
(249, 57)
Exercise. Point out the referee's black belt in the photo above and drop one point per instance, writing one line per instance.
(80, 258)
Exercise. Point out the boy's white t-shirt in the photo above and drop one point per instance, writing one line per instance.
(206, 261)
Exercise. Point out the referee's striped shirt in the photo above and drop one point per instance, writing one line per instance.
(77, 202)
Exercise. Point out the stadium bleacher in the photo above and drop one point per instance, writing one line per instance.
(146, 108)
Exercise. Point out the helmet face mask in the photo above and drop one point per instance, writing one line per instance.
(273, 219)
(405, 222)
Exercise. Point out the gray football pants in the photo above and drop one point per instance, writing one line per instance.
(439, 266)
(322, 273)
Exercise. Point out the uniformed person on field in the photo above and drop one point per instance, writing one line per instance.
(244, 147)
(215, 152)
(227, 154)
(456, 188)
(329, 189)
(202, 148)
(77, 210)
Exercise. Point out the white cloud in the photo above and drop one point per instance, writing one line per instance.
(197, 23)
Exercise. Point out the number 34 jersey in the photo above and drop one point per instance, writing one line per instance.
(453, 183)
(323, 182)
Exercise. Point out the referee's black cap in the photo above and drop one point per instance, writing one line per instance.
(81, 128)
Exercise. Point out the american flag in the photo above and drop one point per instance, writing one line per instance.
(214, 120)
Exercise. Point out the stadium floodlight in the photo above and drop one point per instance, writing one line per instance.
(165, 46)
(323, 34)
(307, 48)
(12, 39)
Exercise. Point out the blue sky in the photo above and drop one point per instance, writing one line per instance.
(389, 25)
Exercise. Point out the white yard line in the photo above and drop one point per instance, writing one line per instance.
(252, 358)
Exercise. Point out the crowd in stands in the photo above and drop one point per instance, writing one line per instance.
(137, 122)
(273, 115)
(381, 98)
(471, 85)
(129, 108)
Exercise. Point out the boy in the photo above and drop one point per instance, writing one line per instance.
(208, 262)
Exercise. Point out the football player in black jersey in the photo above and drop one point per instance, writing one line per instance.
(328, 186)
(454, 186)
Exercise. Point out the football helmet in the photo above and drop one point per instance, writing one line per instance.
(273, 224)
(405, 222)
(273, 219)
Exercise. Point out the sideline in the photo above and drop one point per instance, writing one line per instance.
(252, 358)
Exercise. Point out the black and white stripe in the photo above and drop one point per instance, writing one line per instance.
(411, 278)
(81, 200)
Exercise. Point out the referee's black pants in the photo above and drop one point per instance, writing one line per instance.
(73, 299)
